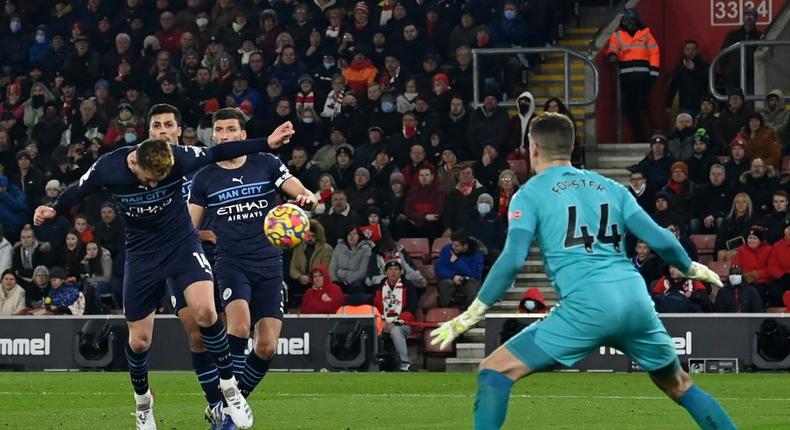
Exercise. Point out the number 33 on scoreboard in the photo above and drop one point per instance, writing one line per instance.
(730, 12)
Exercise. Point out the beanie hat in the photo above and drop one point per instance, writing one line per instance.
(680, 165)
(485, 198)
(757, 231)
(397, 177)
(363, 171)
(52, 184)
(211, 106)
(441, 77)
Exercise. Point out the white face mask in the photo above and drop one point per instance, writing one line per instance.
(484, 208)
(530, 305)
(736, 279)
(640, 189)
(201, 22)
(237, 26)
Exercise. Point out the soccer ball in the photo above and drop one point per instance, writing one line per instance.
(286, 226)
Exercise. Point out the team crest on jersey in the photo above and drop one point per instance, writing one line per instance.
(227, 293)
(514, 215)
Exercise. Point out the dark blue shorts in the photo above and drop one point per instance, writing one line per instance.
(146, 275)
(260, 287)
(177, 295)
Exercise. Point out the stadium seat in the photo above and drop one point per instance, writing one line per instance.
(721, 268)
(428, 273)
(438, 315)
(785, 166)
(437, 246)
(416, 247)
(705, 243)
(519, 167)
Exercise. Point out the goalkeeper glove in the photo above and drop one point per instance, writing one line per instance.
(701, 272)
(447, 332)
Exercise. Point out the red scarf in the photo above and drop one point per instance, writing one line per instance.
(676, 187)
(466, 189)
(504, 202)
(325, 195)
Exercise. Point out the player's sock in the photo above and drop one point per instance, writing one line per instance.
(237, 347)
(216, 342)
(208, 377)
(138, 369)
(705, 410)
(493, 395)
(255, 369)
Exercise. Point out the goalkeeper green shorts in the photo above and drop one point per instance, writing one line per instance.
(618, 314)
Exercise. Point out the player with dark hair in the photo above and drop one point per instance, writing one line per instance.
(232, 198)
(161, 243)
(579, 219)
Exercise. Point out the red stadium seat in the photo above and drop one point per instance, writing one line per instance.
(437, 246)
(785, 166)
(519, 167)
(721, 268)
(416, 247)
(438, 315)
(428, 273)
(705, 243)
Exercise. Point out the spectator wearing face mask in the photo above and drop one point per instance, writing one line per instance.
(487, 227)
(737, 295)
(533, 302)
(518, 140)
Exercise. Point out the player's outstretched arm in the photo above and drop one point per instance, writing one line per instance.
(299, 195)
(195, 159)
(499, 279)
(87, 184)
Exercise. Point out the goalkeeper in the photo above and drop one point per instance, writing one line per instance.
(579, 218)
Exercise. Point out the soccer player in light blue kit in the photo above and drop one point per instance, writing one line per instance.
(579, 218)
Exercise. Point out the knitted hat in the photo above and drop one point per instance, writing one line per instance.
(738, 141)
(344, 150)
(397, 177)
(361, 6)
(53, 184)
(57, 273)
(658, 138)
(680, 165)
(393, 263)
(363, 171)
(211, 106)
(757, 231)
(441, 77)
(246, 107)
(485, 198)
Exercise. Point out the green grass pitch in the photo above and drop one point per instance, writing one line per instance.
(97, 401)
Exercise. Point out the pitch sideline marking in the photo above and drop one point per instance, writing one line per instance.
(459, 396)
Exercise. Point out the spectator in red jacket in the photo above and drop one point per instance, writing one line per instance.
(396, 299)
(424, 206)
(753, 258)
(779, 269)
(676, 294)
(324, 297)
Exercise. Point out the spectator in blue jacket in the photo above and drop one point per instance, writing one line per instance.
(459, 270)
(511, 30)
(13, 206)
(488, 227)
(657, 163)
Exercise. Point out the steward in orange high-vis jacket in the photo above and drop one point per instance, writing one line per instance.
(633, 47)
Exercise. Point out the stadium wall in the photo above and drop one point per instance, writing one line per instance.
(53, 342)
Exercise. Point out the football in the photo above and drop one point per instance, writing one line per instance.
(286, 226)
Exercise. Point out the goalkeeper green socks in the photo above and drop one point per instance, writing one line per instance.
(705, 410)
(493, 395)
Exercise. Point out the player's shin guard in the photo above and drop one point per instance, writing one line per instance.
(138, 369)
(255, 369)
(216, 342)
(208, 377)
(705, 410)
(493, 395)
(237, 347)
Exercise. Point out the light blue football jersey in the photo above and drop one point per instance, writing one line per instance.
(578, 218)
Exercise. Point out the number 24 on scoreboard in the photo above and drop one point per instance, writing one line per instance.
(730, 12)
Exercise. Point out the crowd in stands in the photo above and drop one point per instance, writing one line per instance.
(386, 135)
(386, 132)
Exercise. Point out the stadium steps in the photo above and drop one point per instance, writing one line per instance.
(455, 364)
(613, 158)
(546, 81)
